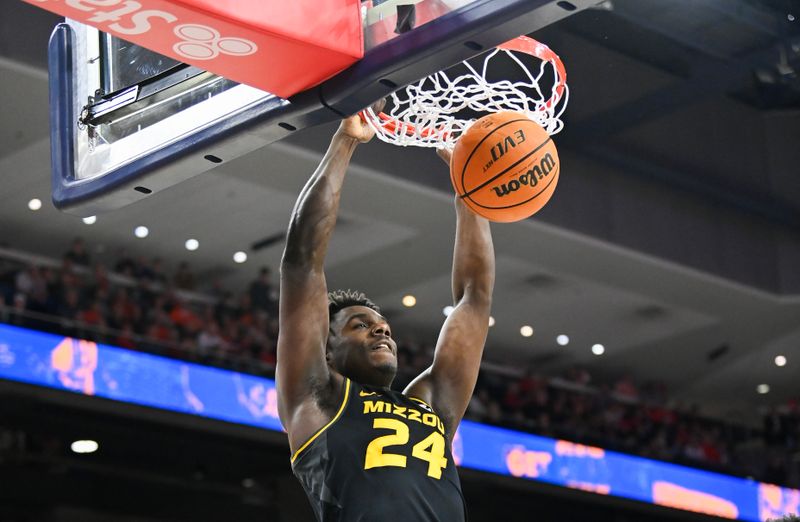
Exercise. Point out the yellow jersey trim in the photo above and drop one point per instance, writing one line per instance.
(334, 419)
(423, 402)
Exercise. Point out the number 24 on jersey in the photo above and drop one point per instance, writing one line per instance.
(430, 449)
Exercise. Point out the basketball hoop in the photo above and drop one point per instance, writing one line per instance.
(431, 112)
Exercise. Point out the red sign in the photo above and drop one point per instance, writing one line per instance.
(277, 46)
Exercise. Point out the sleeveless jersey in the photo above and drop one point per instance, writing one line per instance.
(383, 457)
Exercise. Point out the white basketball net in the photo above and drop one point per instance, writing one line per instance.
(424, 114)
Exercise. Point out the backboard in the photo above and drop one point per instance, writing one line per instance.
(127, 122)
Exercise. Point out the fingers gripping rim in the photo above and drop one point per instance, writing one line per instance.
(427, 115)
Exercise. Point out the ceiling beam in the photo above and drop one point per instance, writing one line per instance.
(713, 72)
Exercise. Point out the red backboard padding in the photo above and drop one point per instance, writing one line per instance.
(280, 46)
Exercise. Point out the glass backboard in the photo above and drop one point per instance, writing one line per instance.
(127, 122)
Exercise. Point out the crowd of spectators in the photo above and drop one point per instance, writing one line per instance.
(138, 305)
(622, 418)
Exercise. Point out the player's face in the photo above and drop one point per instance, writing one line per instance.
(360, 346)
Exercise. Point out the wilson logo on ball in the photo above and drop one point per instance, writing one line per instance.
(530, 178)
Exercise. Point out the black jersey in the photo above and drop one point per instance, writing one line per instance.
(383, 457)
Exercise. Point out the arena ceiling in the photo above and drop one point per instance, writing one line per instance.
(673, 238)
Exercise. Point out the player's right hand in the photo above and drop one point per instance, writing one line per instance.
(355, 127)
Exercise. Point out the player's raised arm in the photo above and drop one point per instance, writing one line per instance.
(448, 384)
(302, 374)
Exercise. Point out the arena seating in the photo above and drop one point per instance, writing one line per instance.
(137, 304)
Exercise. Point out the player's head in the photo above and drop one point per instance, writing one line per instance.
(360, 345)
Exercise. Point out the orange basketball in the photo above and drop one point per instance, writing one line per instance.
(505, 167)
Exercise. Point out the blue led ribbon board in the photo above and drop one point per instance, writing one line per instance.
(88, 368)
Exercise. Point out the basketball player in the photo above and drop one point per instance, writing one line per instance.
(362, 451)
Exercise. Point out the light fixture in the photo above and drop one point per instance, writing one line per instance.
(90, 220)
(762, 388)
(192, 244)
(84, 446)
(780, 360)
(526, 331)
(447, 310)
(409, 301)
(240, 257)
(35, 204)
(141, 232)
(491, 321)
(598, 349)
(562, 340)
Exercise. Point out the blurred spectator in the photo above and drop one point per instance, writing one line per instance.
(494, 415)
(98, 286)
(23, 282)
(775, 427)
(126, 337)
(8, 275)
(244, 312)
(712, 451)
(226, 307)
(152, 271)
(478, 408)
(125, 264)
(77, 253)
(18, 309)
(69, 310)
(183, 317)
(93, 315)
(160, 334)
(261, 292)
(626, 389)
(513, 400)
(123, 310)
(578, 376)
(183, 278)
(217, 290)
(209, 341)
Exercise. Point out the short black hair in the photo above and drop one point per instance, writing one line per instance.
(339, 299)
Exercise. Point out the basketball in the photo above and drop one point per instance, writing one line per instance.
(505, 167)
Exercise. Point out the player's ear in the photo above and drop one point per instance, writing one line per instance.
(328, 350)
